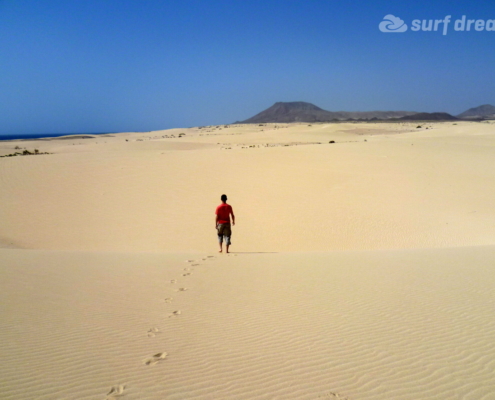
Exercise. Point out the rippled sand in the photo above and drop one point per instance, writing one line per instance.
(361, 269)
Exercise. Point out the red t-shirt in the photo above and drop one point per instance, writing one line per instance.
(223, 211)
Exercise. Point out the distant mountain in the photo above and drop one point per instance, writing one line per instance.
(436, 116)
(484, 111)
(300, 111)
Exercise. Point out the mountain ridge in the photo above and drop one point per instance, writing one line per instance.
(483, 111)
(300, 111)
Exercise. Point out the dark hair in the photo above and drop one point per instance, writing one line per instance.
(224, 197)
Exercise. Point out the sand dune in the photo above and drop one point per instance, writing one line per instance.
(401, 188)
(362, 269)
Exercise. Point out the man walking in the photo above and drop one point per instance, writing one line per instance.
(222, 223)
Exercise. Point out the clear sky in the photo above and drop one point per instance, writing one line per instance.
(73, 66)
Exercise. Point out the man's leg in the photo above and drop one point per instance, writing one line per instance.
(220, 235)
(220, 242)
(227, 243)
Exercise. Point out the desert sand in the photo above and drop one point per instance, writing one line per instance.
(360, 269)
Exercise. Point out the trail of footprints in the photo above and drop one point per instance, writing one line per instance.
(118, 390)
(153, 331)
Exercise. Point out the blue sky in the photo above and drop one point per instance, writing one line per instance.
(109, 66)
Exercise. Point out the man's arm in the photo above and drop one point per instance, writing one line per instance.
(216, 221)
(233, 216)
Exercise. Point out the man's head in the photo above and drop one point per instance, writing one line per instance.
(223, 198)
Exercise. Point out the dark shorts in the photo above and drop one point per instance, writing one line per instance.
(224, 232)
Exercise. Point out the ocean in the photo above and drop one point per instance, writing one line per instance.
(44, 135)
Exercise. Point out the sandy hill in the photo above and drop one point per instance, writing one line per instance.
(145, 191)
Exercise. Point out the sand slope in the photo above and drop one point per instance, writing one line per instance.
(401, 188)
(409, 324)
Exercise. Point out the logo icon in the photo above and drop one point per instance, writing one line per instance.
(391, 23)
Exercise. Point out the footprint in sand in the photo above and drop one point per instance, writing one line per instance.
(115, 392)
(169, 300)
(194, 265)
(182, 289)
(187, 269)
(155, 359)
(189, 260)
(173, 281)
(175, 314)
(186, 274)
(153, 331)
(333, 395)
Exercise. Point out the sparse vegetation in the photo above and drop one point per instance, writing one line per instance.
(24, 153)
